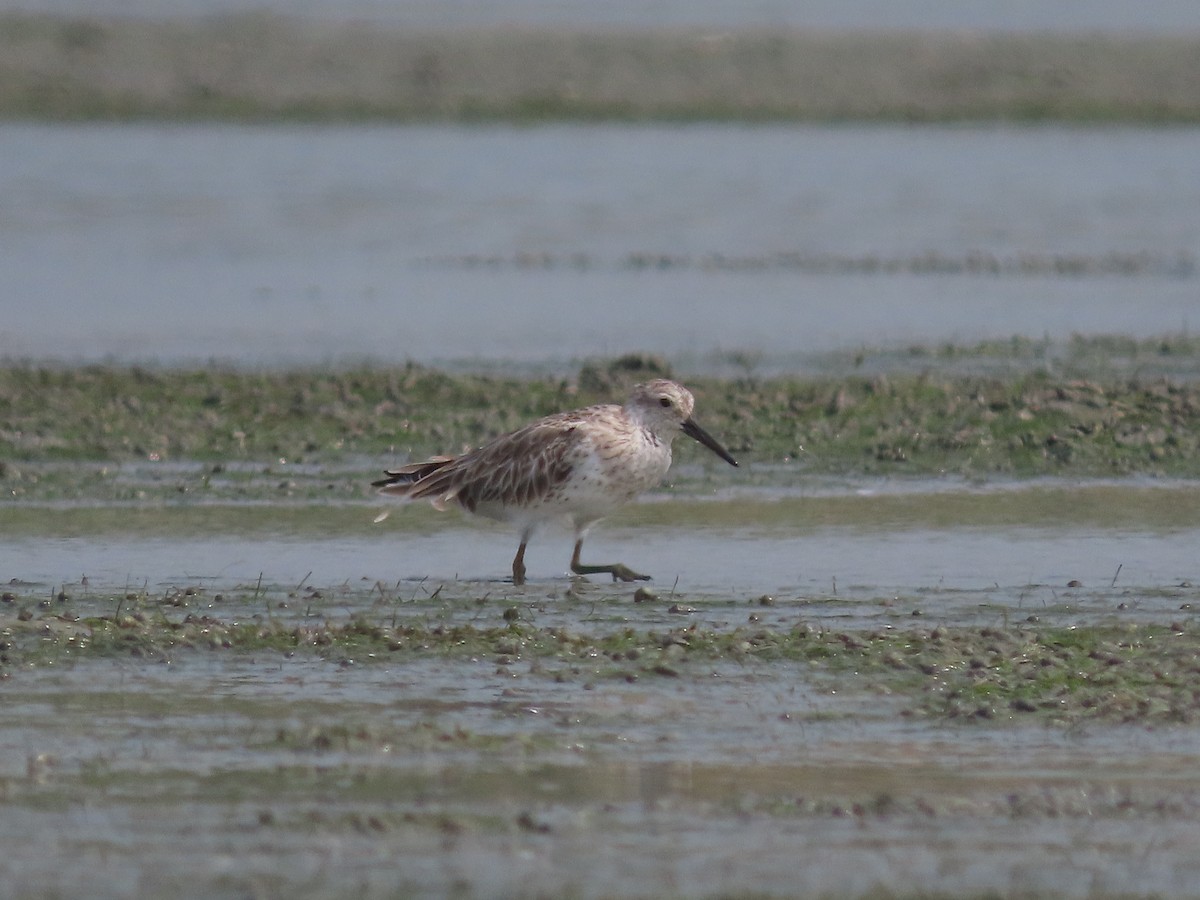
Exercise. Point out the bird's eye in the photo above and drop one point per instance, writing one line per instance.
(664, 402)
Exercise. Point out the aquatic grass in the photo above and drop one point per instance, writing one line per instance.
(249, 427)
(1138, 673)
(113, 413)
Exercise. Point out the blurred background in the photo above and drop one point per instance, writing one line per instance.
(521, 185)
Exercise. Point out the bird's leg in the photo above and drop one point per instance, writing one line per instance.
(519, 566)
(616, 570)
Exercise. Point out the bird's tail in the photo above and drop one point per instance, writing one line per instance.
(403, 481)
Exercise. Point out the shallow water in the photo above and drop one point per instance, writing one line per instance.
(305, 245)
(1012, 546)
(1009, 568)
(211, 773)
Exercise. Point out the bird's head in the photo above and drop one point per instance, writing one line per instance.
(665, 408)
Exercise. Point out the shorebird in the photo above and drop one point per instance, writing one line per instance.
(575, 466)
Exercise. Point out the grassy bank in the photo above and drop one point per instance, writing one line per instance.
(1051, 419)
(257, 68)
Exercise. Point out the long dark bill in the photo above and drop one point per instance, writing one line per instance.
(692, 430)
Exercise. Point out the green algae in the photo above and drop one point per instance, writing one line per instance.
(1066, 674)
(248, 434)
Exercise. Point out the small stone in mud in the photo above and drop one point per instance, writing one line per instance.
(527, 822)
(512, 614)
(765, 600)
(641, 595)
(1074, 583)
(681, 609)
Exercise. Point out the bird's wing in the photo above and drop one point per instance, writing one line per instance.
(515, 469)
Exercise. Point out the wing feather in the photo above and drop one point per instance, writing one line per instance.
(517, 469)
(401, 481)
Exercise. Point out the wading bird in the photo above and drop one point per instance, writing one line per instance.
(575, 466)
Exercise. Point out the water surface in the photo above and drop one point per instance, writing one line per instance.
(861, 558)
(544, 245)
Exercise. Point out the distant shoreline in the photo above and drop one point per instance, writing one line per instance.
(262, 69)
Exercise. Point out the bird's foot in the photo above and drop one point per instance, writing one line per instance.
(618, 572)
(624, 573)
